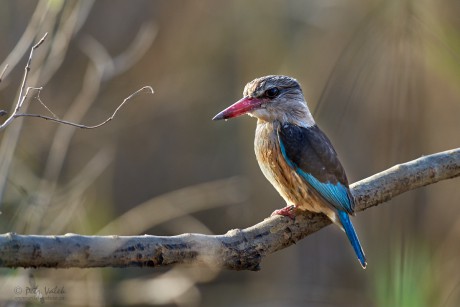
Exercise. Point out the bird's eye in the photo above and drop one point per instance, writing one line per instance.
(272, 92)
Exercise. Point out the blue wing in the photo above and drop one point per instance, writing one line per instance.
(310, 153)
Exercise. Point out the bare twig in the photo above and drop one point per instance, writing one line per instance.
(62, 20)
(148, 89)
(22, 96)
(26, 72)
(100, 69)
(236, 250)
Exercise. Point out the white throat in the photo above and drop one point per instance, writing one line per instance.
(294, 111)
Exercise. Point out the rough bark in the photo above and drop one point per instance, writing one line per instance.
(236, 250)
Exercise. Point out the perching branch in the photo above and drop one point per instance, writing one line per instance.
(236, 250)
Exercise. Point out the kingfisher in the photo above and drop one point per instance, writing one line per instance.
(295, 156)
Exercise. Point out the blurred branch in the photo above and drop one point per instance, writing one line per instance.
(114, 66)
(40, 13)
(236, 250)
(62, 20)
(3, 72)
(101, 68)
(189, 200)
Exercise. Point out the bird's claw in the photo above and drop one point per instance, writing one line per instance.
(288, 211)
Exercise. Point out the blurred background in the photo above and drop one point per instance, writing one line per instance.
(382, 76)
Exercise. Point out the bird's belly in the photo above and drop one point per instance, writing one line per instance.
(286, 181)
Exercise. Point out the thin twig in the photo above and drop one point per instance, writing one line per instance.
(39, 99)
(22, 96)
(237, 249)
(149, 89)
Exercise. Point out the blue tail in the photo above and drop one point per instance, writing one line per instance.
(352, 236)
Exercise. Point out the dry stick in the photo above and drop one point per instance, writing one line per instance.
(26, 72)
(22, 96)
(236, 250)
(149, 89)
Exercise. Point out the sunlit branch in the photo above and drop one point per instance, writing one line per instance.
(237, 249)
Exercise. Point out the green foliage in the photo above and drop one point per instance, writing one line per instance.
(407, 278)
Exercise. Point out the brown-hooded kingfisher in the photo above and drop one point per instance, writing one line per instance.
(294, 154)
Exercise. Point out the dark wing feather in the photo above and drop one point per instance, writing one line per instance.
(310, 153)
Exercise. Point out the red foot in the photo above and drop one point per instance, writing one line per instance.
(288, 211)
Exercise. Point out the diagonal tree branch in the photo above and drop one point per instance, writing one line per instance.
(236, 250)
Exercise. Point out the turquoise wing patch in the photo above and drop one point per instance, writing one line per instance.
(336, 194)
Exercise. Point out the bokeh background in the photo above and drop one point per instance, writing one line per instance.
(382, 76)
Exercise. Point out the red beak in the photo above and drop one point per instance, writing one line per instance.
(241, 107)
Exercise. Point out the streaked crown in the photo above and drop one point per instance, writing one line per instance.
(258, 86)
(283, 100)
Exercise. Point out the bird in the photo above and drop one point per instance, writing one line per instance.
(296, 157)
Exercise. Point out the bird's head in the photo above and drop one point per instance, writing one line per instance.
(271, 98)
